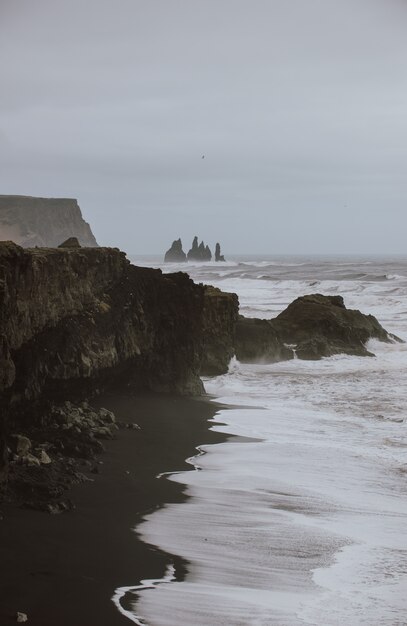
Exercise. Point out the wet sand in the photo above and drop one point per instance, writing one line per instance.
(63, 569)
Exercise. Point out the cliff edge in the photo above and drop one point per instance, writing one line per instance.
(76, 320)
(30, 221)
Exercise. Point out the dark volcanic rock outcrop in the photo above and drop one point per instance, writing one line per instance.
(313, 327)
(30, 221)
(218, 255)
(257, 341)
(74, 316)
(76, 320)
(322, 326)
(199, 252)
(220, 315)
(175, 254)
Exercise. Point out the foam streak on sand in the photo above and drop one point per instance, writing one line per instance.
(307, 522)
(191, 461)
(122, 592)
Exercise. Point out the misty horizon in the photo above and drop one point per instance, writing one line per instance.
(297, 108)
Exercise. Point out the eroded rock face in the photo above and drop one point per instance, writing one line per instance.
(73, 315)
(311, 327)
(220, 314)
(75, 320)
(175, 254)
(322, 326)
(199, 252)
(258, 342)
(218, 255)
(30, 221)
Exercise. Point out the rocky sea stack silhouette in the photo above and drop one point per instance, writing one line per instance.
(175, 254)
(198, 252)
(218, 255)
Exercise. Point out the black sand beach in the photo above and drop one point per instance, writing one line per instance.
(63, 569)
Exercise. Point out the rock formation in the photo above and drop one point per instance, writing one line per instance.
(218, 255)
(71, 242)
(76, 320)
(67, 441)
(199, 252)
(175, 254)
(313, 327)
(323, 326)
(258, 342)
(220, 314)
(30, 221)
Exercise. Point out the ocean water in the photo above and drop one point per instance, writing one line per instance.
(305, 520)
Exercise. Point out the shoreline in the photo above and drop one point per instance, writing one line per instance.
(67, 569)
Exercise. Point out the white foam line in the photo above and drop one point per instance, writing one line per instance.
(169, 575)
(190, 460)
(120, 592)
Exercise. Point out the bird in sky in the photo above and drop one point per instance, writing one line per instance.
(203, 156)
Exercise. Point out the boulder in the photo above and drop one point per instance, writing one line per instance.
(20, 444)
(175, 254)
(71, 242)
(44, 459)
(312, 327)
(322, 326)
(21, 617)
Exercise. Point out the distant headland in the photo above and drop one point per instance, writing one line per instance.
(198, 252)
(44, 222)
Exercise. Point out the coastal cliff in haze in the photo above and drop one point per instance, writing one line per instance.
(47, 222)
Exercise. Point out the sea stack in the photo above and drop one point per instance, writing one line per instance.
(199, 252)
(218, 255)
(175, 254)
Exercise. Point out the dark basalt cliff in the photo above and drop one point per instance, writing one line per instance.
(257, 341)
(30, 221)
(73, 320)
(220, 314)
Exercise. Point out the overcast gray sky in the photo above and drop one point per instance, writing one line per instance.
(299, 106)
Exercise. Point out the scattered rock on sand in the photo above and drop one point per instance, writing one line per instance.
(20, 444)
(45, 464)
(44, 458)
